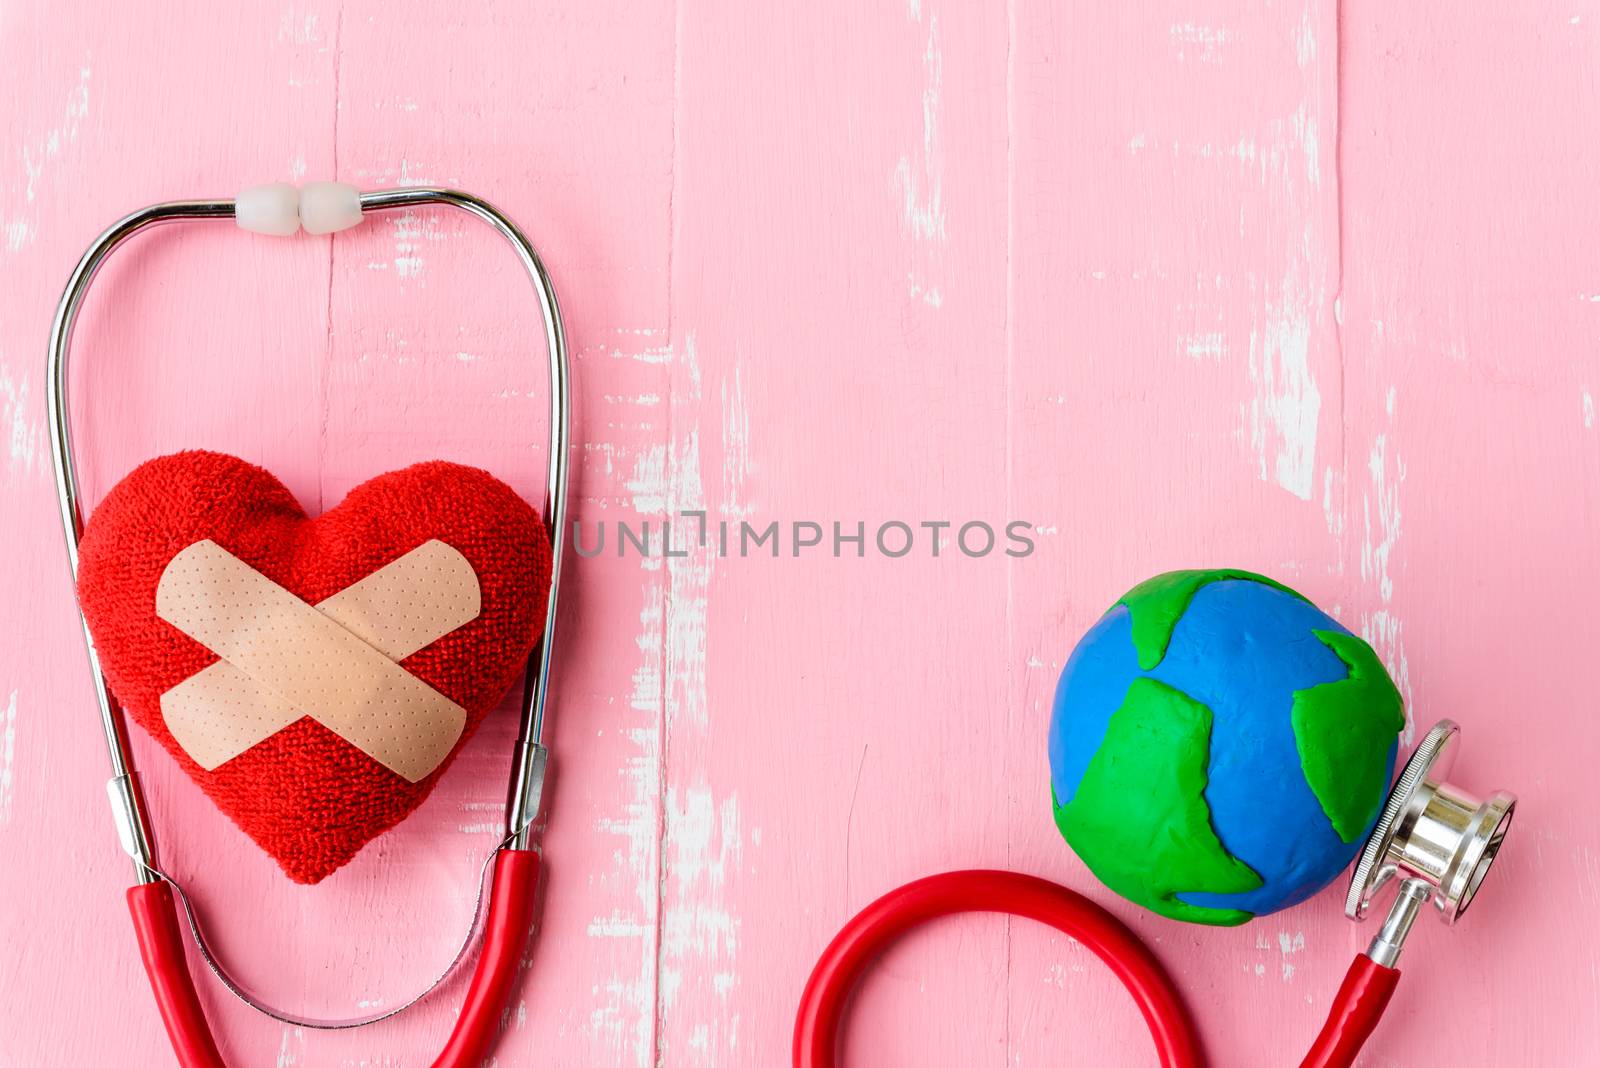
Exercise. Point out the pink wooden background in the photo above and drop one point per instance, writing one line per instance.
(1303, 287)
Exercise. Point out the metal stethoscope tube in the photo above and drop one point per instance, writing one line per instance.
(154, 899)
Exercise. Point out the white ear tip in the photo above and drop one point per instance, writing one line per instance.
(328, 207)
(268, 209)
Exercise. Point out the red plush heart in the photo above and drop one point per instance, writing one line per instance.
(306, 795)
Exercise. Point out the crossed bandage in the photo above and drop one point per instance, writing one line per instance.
(336, 661)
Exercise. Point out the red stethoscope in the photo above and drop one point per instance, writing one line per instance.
(158, 905)
(1435, 839)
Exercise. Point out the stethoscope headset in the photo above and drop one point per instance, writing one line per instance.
(158, 905)
(1434, 840)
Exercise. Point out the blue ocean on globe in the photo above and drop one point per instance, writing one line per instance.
(1241, 648)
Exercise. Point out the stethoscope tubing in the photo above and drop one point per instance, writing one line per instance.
(158, 925)
(1355, 1011)
(853, 949)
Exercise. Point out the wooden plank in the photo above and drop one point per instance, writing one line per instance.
(1470, 327)
(1177, 402)
(835, 726)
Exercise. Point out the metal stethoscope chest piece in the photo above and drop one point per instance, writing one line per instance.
(155, 900)
(1434, 838)
(1437, 841)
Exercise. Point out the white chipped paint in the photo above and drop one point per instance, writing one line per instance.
(1203, 44)
(1283, 413)
(930, 296)
(1380, 518)
(8, 753)
(1305, 39)
(658, 354)
(649, 486)
(483, 817)
(735, 445)
(701, 840)
(412, 232)
(411, 176)
(306, 39)
(287, 1057)
(409, 232)
(920, 184)
(1210, 345)
(617, 927)
(1299, 136)
(1585, 862)
(297, 29)
(39, 153)
(1332, 503)
(684, 918)
(688, 579)
(1305, 135)
(699, 930)
(1058, 975)
(1588, 410)
(35, 157)
(918, 177)
(1282, 416)
(676, 846)
(16, 416)
(1288, 946)
(1381, 629)
(623, 1019)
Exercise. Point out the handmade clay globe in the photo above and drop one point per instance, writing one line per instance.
(1220, 747)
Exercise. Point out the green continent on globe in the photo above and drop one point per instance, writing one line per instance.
(1146, 785)
(1156, 604)
(1343, 730)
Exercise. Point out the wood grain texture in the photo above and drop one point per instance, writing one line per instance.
(1305, 290)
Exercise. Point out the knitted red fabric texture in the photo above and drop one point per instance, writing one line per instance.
(306, 796)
